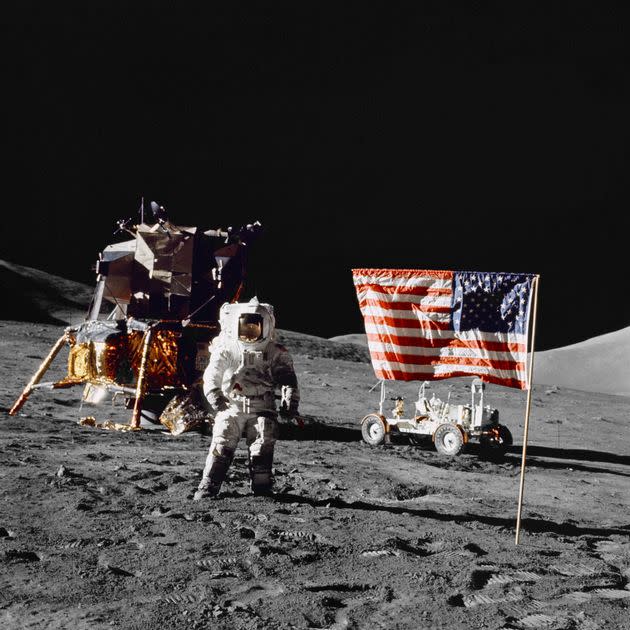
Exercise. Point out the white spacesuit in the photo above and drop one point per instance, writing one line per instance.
(246, 366)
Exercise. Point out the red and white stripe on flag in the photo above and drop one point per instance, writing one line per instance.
(409, 325)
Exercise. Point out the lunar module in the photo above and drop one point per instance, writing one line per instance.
(450, 427)
(153, 314)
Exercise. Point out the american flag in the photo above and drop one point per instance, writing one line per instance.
(430, 325)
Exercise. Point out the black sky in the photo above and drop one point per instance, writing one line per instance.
(391, 137)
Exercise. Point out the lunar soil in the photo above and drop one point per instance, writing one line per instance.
(98, 530)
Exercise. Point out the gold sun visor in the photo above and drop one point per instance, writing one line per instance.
(250, 327)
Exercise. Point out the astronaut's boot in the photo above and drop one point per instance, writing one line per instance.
(213, 475)
(260, 473)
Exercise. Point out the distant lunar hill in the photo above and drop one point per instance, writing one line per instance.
(600, 364)
(358, 338)
(31, 295)
(300, 343)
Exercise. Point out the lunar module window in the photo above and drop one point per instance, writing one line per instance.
(250, 327)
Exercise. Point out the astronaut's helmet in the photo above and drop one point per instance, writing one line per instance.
(251, 324)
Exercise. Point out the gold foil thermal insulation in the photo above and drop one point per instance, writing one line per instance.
(162, 368)
(107, 358)
(96, 361)
(80, 363)
(90, 421)
(100, 362)
(186, 412)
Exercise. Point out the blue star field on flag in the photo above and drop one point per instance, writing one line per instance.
(491, 302)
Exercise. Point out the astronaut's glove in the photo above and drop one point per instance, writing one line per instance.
(218, 400)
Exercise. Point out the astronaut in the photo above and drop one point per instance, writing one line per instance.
(246, 366)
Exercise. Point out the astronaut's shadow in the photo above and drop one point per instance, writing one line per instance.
(318, 432)
(538, 525)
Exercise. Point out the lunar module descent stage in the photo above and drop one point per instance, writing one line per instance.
(164, 288)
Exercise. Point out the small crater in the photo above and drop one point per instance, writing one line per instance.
(435, 546)
(146, 474)
(476, 549)
(405, 492)
(98, 457)
(246, 532)
(479, 578)
(303, 557)
(456, 600)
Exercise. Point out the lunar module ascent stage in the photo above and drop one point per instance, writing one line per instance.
(163, 290)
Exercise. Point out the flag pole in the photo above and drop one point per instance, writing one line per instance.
(530, 375)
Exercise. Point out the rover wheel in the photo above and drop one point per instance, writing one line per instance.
(506, 435)
(448, 439)
(495, 445)
(373, 429)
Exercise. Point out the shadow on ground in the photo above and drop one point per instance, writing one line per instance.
(563, 465)
(532, 525)
(575, 453)
(319, 431)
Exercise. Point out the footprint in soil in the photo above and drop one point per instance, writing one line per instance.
(135, 489)
(348, 597)
(98, 457)
(181, 598)
(76, 544)
(174, 478)
(395, 546)
(302, 556)
(493, 577)
(17, 555)
(231, 563)
(405, 492)
(446, 548)
(145, 474)
(254, 592)
(296, 536)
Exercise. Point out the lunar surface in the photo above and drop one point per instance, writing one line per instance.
(98, 530)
